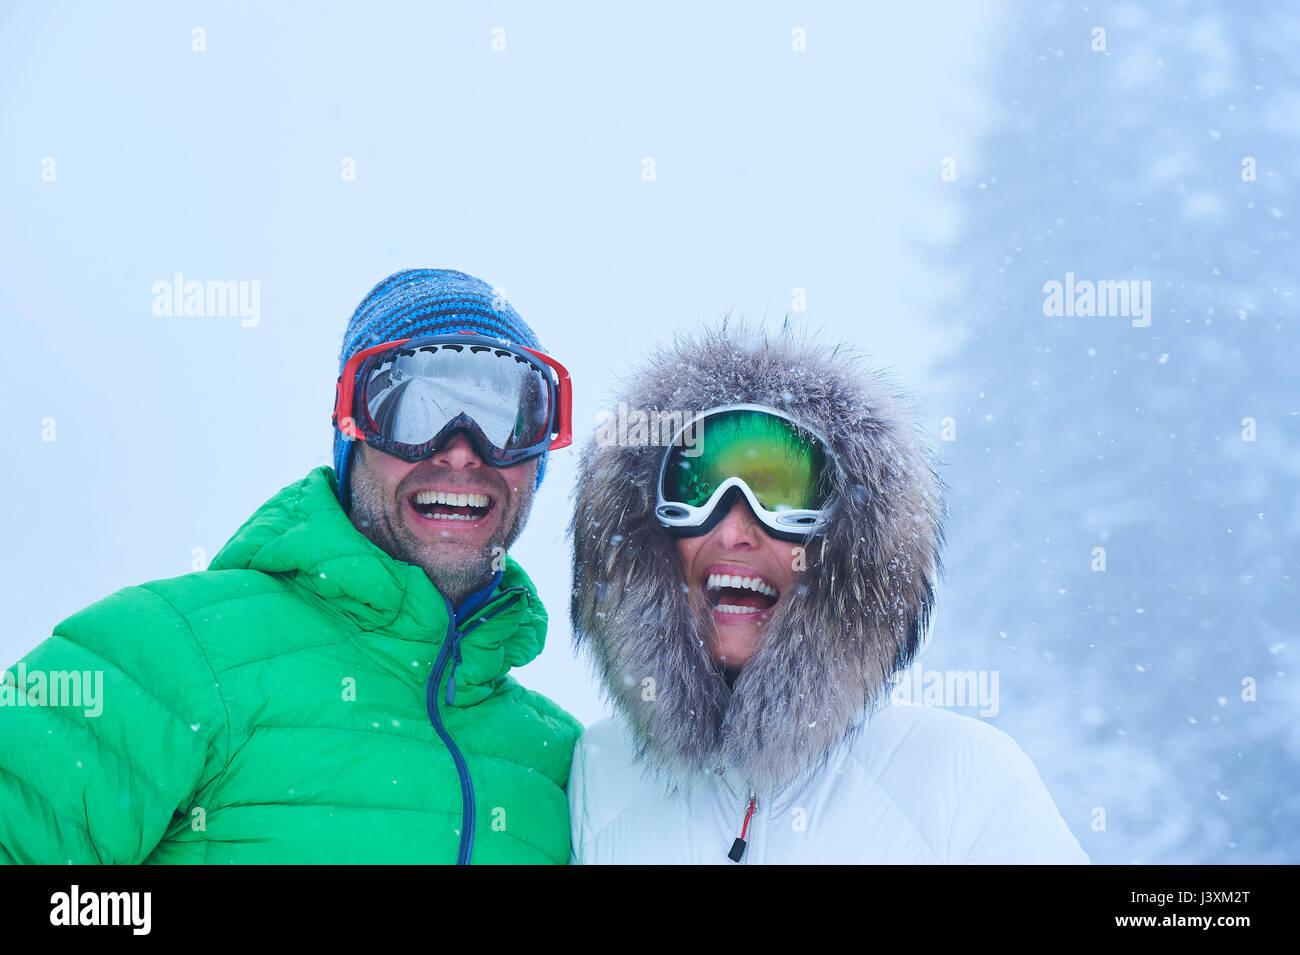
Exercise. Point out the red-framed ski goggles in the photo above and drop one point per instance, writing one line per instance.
(408, 397)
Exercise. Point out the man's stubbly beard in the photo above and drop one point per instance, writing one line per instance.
(457, 571)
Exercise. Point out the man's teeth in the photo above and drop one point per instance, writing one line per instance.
(453, 500)
(730, 608)
(718, 581)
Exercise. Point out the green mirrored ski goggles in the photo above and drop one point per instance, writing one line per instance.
(784, 470)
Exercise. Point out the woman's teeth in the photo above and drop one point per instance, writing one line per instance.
(723, 597)
(718, 581)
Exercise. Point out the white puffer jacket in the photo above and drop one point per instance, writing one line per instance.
(915, 784)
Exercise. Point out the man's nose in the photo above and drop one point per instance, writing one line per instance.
(457, 453)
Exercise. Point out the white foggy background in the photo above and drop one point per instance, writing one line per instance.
(775, 170)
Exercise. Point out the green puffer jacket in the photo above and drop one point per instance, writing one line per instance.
(280, 706)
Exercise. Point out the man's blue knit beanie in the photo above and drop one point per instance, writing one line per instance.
(424, 302)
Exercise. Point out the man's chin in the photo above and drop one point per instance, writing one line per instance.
(456, 578)
(455, 557)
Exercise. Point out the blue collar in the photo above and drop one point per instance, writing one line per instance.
(476, 600)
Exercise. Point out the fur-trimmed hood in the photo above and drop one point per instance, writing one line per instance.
(862, 606)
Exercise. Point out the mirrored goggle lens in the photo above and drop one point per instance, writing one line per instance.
(785, 466)
(412, 394)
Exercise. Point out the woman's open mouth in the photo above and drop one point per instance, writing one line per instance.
(452, 505)
(735, 598)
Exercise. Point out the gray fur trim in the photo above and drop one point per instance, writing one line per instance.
(863, 604)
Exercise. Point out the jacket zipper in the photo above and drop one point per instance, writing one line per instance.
(738, 847)
(451, 650)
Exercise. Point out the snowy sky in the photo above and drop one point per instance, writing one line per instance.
(774, 170)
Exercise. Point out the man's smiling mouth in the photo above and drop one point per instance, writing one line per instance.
(438, 505)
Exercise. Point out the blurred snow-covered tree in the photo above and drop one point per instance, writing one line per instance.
(1158, 691)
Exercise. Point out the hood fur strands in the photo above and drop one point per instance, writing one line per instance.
(860, 608)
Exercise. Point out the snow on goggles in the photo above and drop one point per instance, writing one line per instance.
(784, 470)
(408, 397)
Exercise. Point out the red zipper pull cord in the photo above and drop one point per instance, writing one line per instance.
(738, 847)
